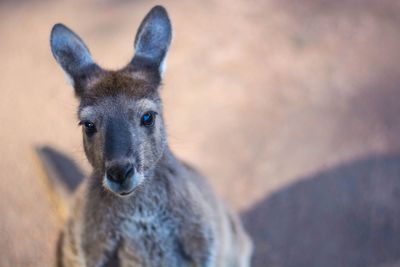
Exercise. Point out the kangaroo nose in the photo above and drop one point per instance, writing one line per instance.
(120, 172)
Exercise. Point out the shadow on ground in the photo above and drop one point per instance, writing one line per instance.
(345, 216)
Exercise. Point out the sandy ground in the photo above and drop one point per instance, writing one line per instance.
(291, 108)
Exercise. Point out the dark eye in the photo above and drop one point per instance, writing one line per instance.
(148, 119)
(89, 127)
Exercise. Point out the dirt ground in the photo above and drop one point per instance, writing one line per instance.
(291, 108)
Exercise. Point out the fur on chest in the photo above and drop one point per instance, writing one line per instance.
(152, 242)
(158, 230)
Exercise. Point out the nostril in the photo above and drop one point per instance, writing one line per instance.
(129, 172)
(119, 173)
(113, 174)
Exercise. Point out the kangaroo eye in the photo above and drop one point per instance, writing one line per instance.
(148, 119)
(89, 127)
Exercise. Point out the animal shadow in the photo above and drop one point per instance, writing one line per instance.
(345, 216)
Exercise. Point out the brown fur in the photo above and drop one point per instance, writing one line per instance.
(112, 83)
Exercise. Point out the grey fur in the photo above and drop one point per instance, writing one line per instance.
(171, 217)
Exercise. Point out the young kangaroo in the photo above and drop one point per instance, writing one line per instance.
(141, 206)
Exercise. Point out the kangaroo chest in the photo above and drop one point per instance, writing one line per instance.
(150, 242)
(140, 238)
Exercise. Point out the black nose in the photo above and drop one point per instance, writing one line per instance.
(120, 172)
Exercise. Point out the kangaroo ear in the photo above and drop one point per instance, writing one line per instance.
(152, 41)
(73, 56)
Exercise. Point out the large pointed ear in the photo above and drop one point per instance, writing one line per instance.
(152, 41)
(73, 56)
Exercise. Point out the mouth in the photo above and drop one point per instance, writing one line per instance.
(124, 194)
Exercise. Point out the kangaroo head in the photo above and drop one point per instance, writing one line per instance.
(120, 111)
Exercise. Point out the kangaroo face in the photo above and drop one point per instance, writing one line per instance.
(123, 133)
(120, 111)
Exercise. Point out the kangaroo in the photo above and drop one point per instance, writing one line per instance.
(141, 206)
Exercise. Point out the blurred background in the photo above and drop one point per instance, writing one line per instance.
(291, 109)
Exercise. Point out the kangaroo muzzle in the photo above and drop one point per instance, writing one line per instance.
(122, 178)
(119, 173)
